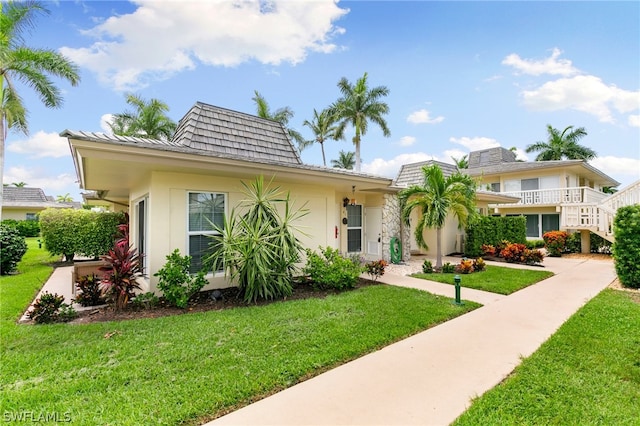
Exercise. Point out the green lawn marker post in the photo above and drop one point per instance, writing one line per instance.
(456, 280)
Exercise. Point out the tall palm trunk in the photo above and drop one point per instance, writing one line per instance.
(324, 159)
(438, 248)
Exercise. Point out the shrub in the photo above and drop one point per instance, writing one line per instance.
(427, 267)
(26, 228)
(598, 244)
(12, 248)
(49, 308)
(146, 300)
(448, 268)
(488, 250)
(479, 265)
(493, 229)
(465, 266)
(626, 249)
(259, 249)
(329, 270)
(513, 252)
(375, 268)
(555, 242)
(532, 257)
(175, 281)
(70, 231)
(573, 244)
(122, 270)
(89, 291)
(534, 244)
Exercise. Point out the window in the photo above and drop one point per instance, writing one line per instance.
(354, 229)
(495, 187)
(205, 210)
(550, 222)
(31, 216)
(141, 232)
(529, 184)
(532, 225)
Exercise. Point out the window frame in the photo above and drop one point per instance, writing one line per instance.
(190, 233)
(355, 228)
(142, 233)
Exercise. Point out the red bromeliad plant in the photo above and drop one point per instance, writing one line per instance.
(120, 275)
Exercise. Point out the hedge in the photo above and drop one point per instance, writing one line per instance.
(26, 228)
(70, 232)
(626, 248)
(492, 230)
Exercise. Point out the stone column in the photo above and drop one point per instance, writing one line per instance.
(585, 241)
(392, 226)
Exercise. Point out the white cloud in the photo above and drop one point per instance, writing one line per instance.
(622, 168)
(407, 141)
(584, 93)
(390, 168)
(104, 123)
(41, 145)
(475, 144)
(634, 120)
(551, 65)
(53, 185)
(162, 38)
(423, 116)
(450, 154)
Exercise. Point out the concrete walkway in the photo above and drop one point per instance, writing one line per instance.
(430, 378)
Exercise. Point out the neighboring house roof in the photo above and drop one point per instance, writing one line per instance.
(516, 167)
(16, 197)
(411, 174)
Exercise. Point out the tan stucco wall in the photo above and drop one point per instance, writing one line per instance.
(167, 213)
(18, 214)
(450, 232)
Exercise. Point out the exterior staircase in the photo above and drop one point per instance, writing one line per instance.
(597, 216)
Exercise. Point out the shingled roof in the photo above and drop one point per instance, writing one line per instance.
(411, 174)
(23, 197)
(234, 134)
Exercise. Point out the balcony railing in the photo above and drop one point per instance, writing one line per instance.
(556, 196)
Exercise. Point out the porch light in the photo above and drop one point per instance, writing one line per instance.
(353, 195)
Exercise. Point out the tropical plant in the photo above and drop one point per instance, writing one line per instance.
(88, 291)
(448, 268)
(330, 270)
(30, 66)
(562, 145)
(435, 199)
(465, 266)
(358, 106)
(19, 184)
(282, 116)
(66, 198)
(258, 249)
(12, 248)
(119, 281)
(175, 281)
(555, 242)
(375, 268)
(345, 160)
(148, 119)
(479, 265)
(462, 162)
(50, 308)
(323, 127)
(427, 267)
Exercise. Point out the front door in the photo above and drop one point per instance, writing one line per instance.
(373, 232)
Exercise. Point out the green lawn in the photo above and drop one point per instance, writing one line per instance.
(588, 373)
(192, 367)
(496, 279)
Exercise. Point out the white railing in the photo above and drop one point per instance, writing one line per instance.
(557, 196)
(625, 197)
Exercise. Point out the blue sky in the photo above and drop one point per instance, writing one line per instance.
(462, 75)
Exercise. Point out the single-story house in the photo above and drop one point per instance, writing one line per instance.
(168, 187)
(24, 203)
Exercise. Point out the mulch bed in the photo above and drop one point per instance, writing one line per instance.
(202, 302)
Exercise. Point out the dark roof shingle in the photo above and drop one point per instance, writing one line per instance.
(411, 174)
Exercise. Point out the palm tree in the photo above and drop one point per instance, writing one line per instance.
(345, 161)
(282, 116)
(30, 66)
(19, 184)
(562, 145)
(357, 106)
(435, 199)
(461, 163)
(66, 198)
(149, 119)
(323, 128)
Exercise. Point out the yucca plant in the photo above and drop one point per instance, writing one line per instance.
(257, 247)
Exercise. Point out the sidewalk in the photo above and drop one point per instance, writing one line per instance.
(430, 378)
